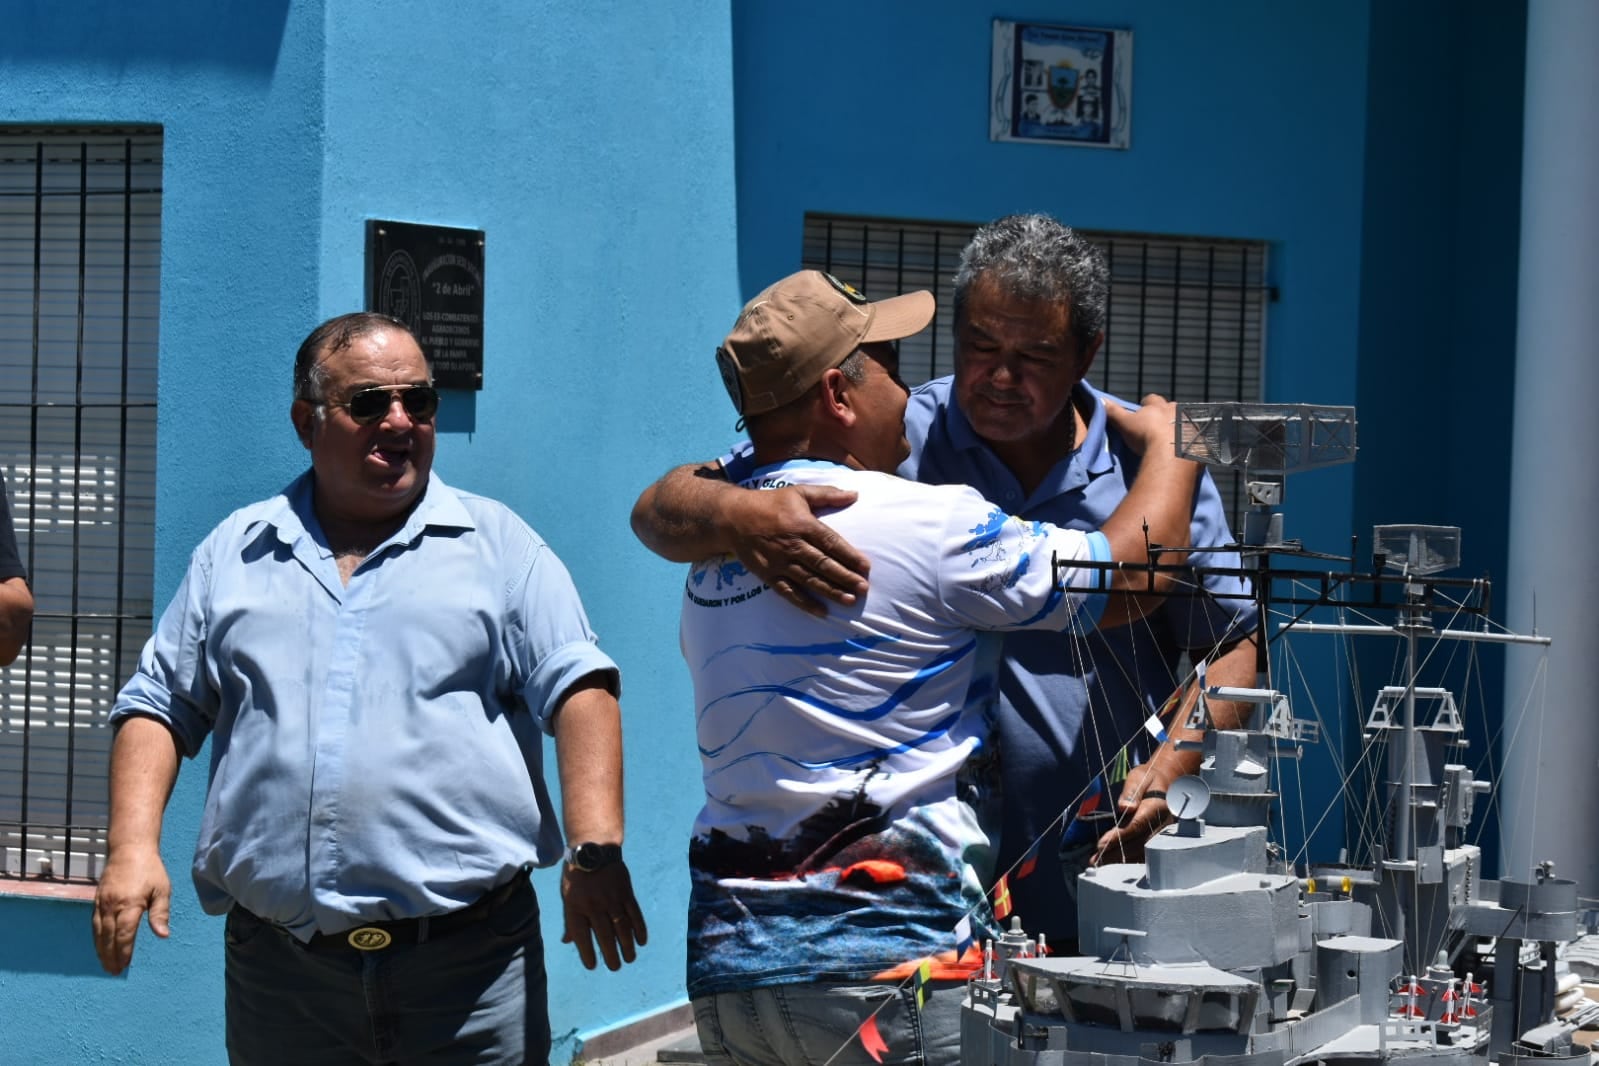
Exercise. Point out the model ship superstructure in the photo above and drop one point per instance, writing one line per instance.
(1213, 949)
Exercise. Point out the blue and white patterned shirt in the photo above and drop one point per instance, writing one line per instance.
(843, 829)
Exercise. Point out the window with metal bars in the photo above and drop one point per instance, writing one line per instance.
(1187, 315)
(80, 253)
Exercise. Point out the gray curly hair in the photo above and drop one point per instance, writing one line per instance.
(1037, 258)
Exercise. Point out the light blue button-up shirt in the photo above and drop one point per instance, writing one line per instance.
(376, 747)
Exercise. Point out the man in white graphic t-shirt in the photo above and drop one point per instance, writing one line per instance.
(845, 834)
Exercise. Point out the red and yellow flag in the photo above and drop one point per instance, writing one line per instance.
(1002, 906)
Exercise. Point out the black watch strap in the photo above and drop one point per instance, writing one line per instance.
(589, 856)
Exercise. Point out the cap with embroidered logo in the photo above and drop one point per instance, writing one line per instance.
(796, 330)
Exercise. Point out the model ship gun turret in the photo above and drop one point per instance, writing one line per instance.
(1214, 947)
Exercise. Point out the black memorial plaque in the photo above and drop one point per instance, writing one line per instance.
(431, 278)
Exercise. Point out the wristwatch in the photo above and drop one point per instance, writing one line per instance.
(589, 856)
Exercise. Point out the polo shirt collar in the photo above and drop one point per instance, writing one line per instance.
(1088, 460)
(1094, 450)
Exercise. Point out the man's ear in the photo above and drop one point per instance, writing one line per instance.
(303, 414)
(838, 399)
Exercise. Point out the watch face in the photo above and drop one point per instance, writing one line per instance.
(590, 856)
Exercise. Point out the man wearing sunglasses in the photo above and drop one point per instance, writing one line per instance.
(375, 657)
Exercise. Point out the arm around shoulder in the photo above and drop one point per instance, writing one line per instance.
(1155, 512)
(677, 516)
(694, 512)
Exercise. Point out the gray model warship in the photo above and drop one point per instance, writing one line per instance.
(1214, 951)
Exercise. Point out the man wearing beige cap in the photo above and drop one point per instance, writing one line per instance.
(1019, 422)
(844, 839)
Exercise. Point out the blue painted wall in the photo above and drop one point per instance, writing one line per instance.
(1440, 244)
(595, 148)
(596, 153)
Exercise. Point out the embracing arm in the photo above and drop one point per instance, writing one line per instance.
(600, 906)
(677, 517)
(1157, 509)
(16, 616)
(144, 765)
(694, 512)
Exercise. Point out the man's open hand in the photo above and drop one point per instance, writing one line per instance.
(601, 910)
(776, 535)
(134, 882)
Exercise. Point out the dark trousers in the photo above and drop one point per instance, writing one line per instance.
(475, 995)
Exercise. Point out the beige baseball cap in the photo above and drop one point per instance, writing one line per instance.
(791, 334)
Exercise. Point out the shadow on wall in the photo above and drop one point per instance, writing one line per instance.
(47, 936)
(236, 34)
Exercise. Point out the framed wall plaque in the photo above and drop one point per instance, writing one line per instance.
(431, 278)
(1061, 85)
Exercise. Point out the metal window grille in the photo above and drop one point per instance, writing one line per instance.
(1187, 315)
(80, 252)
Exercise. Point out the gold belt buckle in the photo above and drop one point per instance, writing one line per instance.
(369, 938)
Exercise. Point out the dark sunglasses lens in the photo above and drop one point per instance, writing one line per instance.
(421, 403)
(369, 405)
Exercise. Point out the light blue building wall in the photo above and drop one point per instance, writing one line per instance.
(595, 151)
(639, 169)
(594, 147)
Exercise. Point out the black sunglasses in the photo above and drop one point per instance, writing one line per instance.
(421, 403)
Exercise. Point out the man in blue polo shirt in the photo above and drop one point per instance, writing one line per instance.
(1019, 423)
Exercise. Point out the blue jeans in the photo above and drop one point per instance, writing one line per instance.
(806, 1024)
(477, 995)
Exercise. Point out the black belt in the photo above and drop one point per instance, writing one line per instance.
(375, 936)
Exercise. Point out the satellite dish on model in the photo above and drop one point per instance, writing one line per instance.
(1187, 797)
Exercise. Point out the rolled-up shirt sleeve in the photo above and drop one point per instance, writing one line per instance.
(550, 639)
(172, 683)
